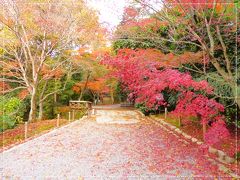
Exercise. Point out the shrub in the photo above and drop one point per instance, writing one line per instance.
(7, 122)
(237, 155)
(11, 112)
(144, 109)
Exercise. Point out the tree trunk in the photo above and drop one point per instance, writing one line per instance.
(229, 79)
(55, 97)
(112, 96)
(94, 100)
(32, 114)
(40, 115)
(41, 100)
(85, 87)
(55, 94)
(204, 128)
(81, 94)
(238, 101)
(179, 121)
(236, 94)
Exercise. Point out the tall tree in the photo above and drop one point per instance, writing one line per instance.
(34, 34)
(146, 84)
(91, 67)
(209, 27)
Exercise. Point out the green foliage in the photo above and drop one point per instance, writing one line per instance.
(63, 96)
(237, 155)
(11, 112)
(67, 94)
(223, 94)
(120, 94)
(171, 98)
(48, 108)
(87, 96)
(132, 44)
(7, 122)
(231, 115)
(77, 76)
(144, 109)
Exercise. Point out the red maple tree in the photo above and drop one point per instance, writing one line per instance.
(143, 75)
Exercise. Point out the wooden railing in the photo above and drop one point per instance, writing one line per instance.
(83, 106)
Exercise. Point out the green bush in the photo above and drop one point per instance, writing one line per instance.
(48, 108)
(145, 110)
(237, 155)
(120, 94)
(171, 98)
(11, 112)
(7, 122)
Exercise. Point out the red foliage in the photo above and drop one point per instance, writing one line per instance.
(131, 20)
(130, 12)
(143, 24)
(198, 4)
(139, 71)
(12, 137)
(217, 130)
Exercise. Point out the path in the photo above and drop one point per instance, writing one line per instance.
(92, 150)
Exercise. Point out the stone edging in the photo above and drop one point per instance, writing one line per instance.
(222, 157)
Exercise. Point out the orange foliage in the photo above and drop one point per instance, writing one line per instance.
(77, 87)
(97, 85)
(23, 94)
(100, 53)
(171, 60)
(4, 86)
(187, 5)
(165, 60)
(143, 24)
(82, 51)
(10, 69)
(49, 73)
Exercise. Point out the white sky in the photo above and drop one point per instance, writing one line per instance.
(110, 11)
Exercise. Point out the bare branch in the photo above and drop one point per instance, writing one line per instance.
(13, 89)
(228, 64)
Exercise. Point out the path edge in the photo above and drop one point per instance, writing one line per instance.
(37, 136)
(174, 129)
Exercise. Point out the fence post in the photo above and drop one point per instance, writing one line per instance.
(25, 129)
(204, 130)
(89, 112)
(165, 113)
(73, 115)
(58, 117)
(69, 116)
(179, 121)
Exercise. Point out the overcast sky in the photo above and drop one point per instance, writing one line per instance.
(110, 11)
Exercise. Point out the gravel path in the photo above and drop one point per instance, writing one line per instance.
(90, 150)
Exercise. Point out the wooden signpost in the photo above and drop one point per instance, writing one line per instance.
(83, 106)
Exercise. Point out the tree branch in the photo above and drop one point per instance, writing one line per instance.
(228, 64)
